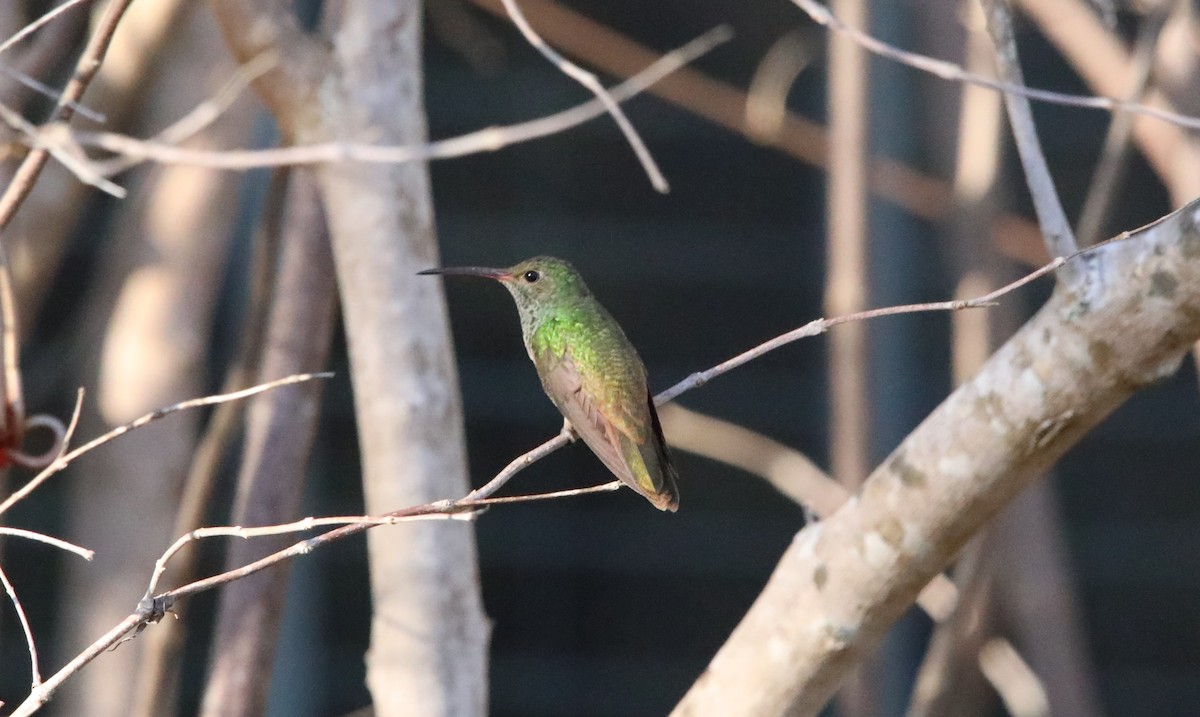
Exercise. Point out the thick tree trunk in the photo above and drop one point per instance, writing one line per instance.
(429, 636)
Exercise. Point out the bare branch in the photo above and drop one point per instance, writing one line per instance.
(1060, 240)
(48, 540)
(65, 459)
(85, 70)
(44, 691)
(485, 140)
(36, 678)
(69, 156)
(950, 71)
(153, 607)
(256, 27)
(38, 23)
(1109, 172)
(202, 115)
(588, 80)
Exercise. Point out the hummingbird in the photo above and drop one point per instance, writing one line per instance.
(590, 371)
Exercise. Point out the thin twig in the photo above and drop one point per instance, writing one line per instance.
(1056, 229)
(36, 678)
(466, 509)
(488, 139)
(820, 326)
(48, 540)
(950, 71)
(43, 692)
(438, 510)
(65, 459)
(33, 83)
(1109, 172)
(588, 80)
(38, 23)
(85, 71)
(47, 91)
(69, 155)
(202, 115)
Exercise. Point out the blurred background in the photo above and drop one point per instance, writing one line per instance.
(601, 605)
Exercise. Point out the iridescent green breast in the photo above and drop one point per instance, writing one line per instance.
(608, 366)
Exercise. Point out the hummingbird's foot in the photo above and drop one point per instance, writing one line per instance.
(568, 432)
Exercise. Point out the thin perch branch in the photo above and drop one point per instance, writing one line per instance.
(153, 608)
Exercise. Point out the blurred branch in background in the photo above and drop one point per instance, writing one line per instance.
(280, 428)
(1056, 230)
(949, 681)
(1114, 157)
(1103, 62)
(86, 68)
(848, 281)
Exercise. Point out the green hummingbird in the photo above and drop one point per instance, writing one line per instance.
(590, 371)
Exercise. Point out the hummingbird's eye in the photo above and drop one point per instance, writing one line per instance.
(531, 276)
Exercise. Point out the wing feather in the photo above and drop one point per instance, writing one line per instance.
(621, 441)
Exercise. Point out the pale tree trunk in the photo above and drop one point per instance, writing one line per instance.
(429, 635)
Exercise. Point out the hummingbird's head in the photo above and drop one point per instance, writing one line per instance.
(543, 280)
(536, 284)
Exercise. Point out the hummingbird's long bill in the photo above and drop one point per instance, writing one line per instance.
(486, 272)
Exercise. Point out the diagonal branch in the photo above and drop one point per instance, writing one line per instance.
(1056, 229)
(588, 80)
(253, 28)
(843, 582)
(85, 71)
